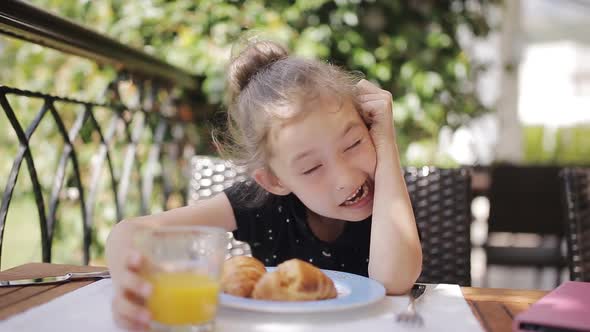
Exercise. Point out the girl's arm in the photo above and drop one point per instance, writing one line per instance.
(395, 257)
(215, 211)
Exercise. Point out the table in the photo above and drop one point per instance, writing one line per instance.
(494, 308)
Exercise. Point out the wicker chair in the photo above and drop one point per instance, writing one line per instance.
(576, 197)
(441, 201)
(440, 198)
(210, 176)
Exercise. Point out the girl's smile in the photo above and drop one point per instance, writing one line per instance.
(360, 198)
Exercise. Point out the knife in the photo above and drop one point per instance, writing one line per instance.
(57, 279)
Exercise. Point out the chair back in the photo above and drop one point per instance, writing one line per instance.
(441, 199)
(522, 200)
(209, 177)
(576, 203)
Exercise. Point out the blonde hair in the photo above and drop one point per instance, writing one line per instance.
(264, 82)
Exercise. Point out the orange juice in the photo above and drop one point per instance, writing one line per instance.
(183, 298)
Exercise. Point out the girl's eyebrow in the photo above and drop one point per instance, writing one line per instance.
(300, 156)
(350, 126)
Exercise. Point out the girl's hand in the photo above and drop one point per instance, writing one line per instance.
(131, 294)
(376, 109)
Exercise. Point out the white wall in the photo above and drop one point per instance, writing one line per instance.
(555, 84)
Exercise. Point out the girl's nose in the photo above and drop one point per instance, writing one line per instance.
(343, 176)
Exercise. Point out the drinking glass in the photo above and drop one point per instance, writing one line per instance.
(184, 269)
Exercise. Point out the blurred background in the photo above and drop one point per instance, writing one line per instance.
(475, 83)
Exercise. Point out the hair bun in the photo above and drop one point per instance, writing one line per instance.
(250, 61)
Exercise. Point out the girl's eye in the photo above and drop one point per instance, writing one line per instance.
(311, 170)
(357, 143)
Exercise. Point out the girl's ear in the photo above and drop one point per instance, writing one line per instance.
(267, 180)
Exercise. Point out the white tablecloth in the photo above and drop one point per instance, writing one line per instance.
(88, 309)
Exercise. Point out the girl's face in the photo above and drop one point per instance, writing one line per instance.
(327, 158)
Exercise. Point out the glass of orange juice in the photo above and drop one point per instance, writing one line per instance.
(184, 270)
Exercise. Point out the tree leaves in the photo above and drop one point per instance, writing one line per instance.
(408, 47)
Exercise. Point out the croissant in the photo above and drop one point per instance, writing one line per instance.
(240, 274)
(295, 280)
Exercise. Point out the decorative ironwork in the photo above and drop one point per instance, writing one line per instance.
(24, 21)
(157, 113)
(160, 128)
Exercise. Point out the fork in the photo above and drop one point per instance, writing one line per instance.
(410, 316)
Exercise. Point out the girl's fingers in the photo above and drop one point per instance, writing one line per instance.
(374, 107)
(132, 292)
(367, 118)
(132, 284)
(366, 87)
(373, 96)
(130, 315)
(135, 261)
(130, 325)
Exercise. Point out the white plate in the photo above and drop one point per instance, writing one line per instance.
(353, 291)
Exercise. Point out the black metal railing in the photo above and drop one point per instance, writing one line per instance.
(32, 24)
(156, 114)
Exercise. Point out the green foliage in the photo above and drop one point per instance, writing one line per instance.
(561, 146)
(408, 47)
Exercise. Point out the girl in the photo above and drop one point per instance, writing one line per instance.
(328, 186)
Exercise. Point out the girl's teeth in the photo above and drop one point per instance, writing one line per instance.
(354, 194)
(355, 199)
